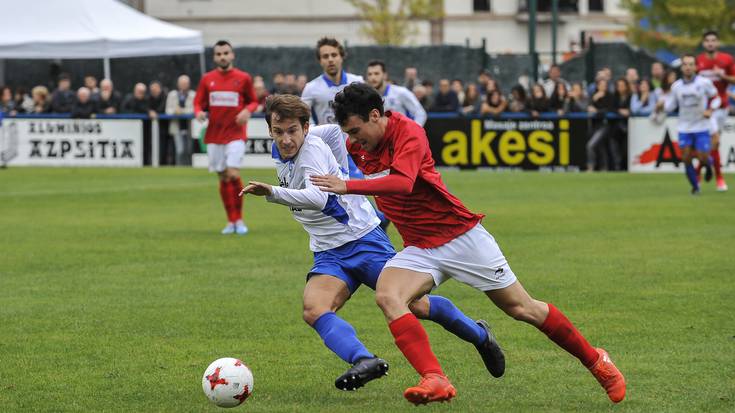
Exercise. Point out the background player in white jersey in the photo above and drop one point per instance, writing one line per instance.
(320, 91)
(395, 98)
(692, 94)
(349, 248)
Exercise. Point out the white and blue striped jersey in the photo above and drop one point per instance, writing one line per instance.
(691, 98)
(399, 99)
(331, 220)
(320, 91)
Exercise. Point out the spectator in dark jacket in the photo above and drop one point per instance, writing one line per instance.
(446, 99)
(559, 98)
(517, 101)
(577, 100)
(136, 102)
(602, 103)
(539, 103)
(156, 99)
(63, 97)
(84, 107)
(108, 99)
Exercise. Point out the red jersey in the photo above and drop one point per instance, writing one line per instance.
(224, 95)
(706, 66)
(409, 191)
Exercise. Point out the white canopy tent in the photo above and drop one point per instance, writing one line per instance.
(88, 29)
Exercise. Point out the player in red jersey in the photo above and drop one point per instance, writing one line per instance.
(228, 95)
(442, 240)
(719, 67)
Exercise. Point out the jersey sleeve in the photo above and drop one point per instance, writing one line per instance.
(313, 162)
(307, 95)
(404, 168)
(671, 102)
(333, 136)
(201, 99)
(413, 106)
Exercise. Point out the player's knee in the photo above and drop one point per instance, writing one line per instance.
(419, 308)
(312, 313)
(387, 301)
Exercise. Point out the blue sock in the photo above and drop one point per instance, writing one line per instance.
(340, 337)
(445, 313)
(691, 175)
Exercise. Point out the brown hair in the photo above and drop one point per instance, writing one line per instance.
(286, 107)
(329, 41)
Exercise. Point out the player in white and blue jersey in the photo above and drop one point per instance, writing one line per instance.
(395, 98)
(349, 247)
(696, 97)
(320, 91)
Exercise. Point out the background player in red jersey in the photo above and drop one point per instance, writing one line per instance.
(442, 240)
(228, 95)
(719, 67)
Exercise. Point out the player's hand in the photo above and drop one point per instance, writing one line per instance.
(243, 117)
(329, 183)
(659, 106)
(257, 188)
(707, 113)
(202, 116)
(718, 71)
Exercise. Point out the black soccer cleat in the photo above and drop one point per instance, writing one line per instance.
(707, 173)
(360, 373)
(491, 353)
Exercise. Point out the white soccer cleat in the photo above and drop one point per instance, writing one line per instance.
(229, 229)
(241, 228)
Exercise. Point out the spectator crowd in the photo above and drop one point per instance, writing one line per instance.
(629, 94)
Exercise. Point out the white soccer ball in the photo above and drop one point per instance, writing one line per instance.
(227, 382)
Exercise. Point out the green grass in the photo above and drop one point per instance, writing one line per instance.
(116, 291)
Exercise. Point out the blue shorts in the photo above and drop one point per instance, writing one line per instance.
(700, 141)
(357, 262)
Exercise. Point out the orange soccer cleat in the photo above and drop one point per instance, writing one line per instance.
(432, 388)
(609, 376)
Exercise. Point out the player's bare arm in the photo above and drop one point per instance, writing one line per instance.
(243, 117)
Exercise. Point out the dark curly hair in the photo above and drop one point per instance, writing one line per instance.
(356, 99)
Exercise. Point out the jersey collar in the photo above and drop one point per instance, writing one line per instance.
(343, 79)
(387, 88)
(275, 154)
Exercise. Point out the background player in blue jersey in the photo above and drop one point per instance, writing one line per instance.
(349, 247)
(696, 97)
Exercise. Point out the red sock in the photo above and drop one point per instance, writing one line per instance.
(236, 186)
(413, 342)
(715, 153)
(562, 332)
(224, 193)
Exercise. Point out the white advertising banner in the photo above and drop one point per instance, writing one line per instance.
(654, 147)
(257, 147)
(72, 142)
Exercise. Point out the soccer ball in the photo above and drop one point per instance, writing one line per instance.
(227, 382)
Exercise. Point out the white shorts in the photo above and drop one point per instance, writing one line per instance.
(473, 258)
(225, 156)
(717, 120)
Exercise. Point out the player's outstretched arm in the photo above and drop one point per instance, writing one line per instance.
(257, 188)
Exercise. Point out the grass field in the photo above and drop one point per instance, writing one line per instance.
(116, 291)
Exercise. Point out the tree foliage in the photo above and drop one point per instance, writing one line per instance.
(389, 22)
(678, 24)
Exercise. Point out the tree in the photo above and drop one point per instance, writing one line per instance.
(387, 25)
(678, 25)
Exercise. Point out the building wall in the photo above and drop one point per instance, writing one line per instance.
(301, 23)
